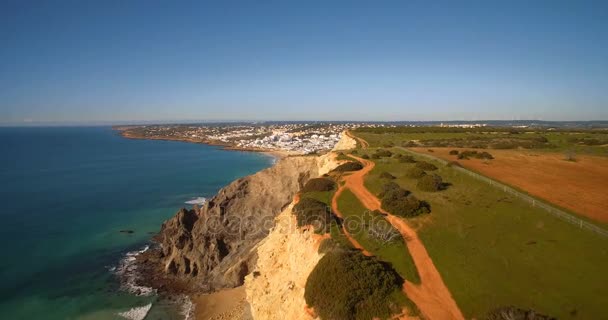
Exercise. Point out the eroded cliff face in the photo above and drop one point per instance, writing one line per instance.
(209, 248)
(275, 288)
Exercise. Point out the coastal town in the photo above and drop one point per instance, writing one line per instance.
(296, 138)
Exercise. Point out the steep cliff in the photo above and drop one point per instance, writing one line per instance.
(209, 248)
(275, 288)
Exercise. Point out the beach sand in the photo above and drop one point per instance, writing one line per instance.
(224, 304)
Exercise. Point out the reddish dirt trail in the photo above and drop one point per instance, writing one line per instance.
(432, 296)
(364, 144)
(334, 208)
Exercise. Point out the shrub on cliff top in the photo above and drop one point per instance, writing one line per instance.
(399, 201)
(381, 153)
(407, 159)
(386, 175)
(348, 285)
(415, 173)
(313, 212)
(426, 166)
(349, 166)
(319, 184)
(430, 183)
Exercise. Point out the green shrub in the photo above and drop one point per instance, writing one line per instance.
(430, 183)
(390, 187)
(313, 212)
(381, 153)
(453, 164)
(426, 166)
(454, 152)
(399, 201)
(415, 173)
(386, 175)
(404, 206)
(474, 154)
(347, 285)
(365, 156)
(319, 184)
(349, 166)
(407, 159)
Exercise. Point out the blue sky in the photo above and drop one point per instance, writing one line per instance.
(91, 61)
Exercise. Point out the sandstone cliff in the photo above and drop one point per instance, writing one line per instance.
(275, 288)
(209, 248)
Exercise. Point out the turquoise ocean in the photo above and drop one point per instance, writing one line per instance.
(66, 192)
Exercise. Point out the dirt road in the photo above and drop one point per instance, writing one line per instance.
(431, 296)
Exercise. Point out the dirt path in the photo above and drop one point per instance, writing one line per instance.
(334, 208)
(432, 296)
(364, 144)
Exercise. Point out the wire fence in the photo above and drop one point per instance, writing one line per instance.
(533, 201)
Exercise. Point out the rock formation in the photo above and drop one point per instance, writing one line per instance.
(275, 288)
(211, 247)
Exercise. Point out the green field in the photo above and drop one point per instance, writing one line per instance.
(493, 249)
(557, 141)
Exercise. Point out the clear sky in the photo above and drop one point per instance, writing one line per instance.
(89, 61)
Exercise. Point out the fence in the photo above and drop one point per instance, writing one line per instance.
(534, 202)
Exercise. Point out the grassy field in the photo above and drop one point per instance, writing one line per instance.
(557, 141)
(494, 250)
(394, 252)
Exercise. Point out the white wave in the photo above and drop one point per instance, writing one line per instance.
(200, 201)
(137, 313)
(127, 271)
(187, 309)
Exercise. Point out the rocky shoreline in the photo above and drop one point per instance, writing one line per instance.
(213, 247)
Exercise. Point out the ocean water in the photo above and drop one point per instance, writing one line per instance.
(65, 194)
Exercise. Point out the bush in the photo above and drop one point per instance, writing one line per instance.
(381, 153)
(365, 156)
(391, 186)
(348, 285)
(399, 201)
(404, 206)
(426, 166)
(453, 164)
(430, 183)
(454, 152)
(386, 175)
(474, 154)
(313, 212)
(349, 166)
(319, 184)
(415, 173)
(407, 159)
(430, 150)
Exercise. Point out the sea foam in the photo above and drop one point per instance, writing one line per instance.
(137, 313)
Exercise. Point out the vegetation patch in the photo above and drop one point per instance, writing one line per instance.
(382, 153)
(345, 284)
(415, 173)
(401, 202)
(349, 166)
(474, 154)
(431, 183)
(319, 184)
(313, 212)
(407, 159)
(386, 175)
(426, 166)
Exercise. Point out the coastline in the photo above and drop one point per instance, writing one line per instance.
(277, 154)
